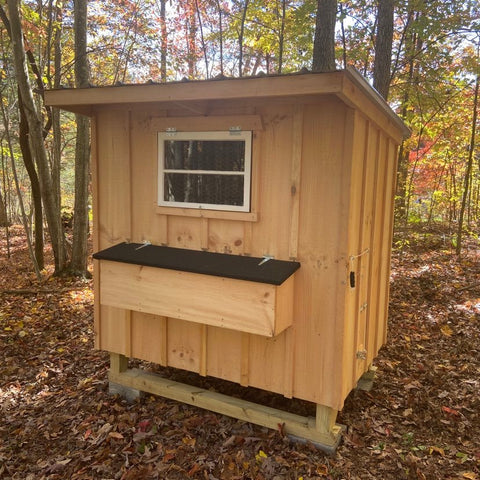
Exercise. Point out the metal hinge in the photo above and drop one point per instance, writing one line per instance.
(362, 355)
(266, 258)
(144, 244)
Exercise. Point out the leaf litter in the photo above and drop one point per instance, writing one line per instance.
(421, 420)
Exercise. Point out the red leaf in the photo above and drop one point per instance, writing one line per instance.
(451, 411)
(194, 470)
(143, 425)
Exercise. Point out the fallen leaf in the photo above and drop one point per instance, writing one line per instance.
(143, 425)
(169, 455)
(322, 470)
(189, 441)
(260, 456)
(230, 441)
(139, 436)
(462, 457)
(437, 450)
(446, 330)
(104, 429)
(194, 470)
(451, 411)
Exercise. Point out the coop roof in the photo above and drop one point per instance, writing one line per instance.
(348, 85)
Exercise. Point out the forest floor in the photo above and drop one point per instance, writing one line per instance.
(421, 420)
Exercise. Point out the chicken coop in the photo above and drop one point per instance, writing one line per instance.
(242, 230)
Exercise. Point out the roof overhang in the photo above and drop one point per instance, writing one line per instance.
(348, 85)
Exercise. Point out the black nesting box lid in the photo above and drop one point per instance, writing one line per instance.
(253, 269)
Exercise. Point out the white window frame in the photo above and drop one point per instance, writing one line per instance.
(246, 136)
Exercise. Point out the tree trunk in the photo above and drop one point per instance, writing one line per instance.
(19, 193)
(78, 265)
(220, 32)
(240, 38)
(34, 184)
(202, 39)
(324, 41)
(3, 197)
(28, 160)
(281, 37)
(468, 172)
(50, 202)
(344, 41)
(3, 212)
(404, 153)
(383, 48)
(163, 53)
(56, 129)
(6, 193)
(191, 32)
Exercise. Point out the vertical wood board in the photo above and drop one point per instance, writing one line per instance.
(374, 160)
(114, 325)
(353, 325)
(226, 236)
(146, 225)
(184, 344)
(96, 227)
(148, 337)
(113, 213)
(366, 304)
(377, 244)
(224, 354)
(271, 235)
(184, 232)
(390, 174)
(296, 172)
(322, 252)
(114, 178)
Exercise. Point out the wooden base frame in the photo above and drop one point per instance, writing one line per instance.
(321, 431)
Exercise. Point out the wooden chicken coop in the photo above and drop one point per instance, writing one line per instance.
(242, 230)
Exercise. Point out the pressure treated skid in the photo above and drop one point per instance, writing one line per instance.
(322, 186)
(321, 430)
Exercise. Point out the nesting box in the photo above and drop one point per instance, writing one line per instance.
(242, 230)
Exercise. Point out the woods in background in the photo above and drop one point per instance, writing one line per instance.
(423, 56)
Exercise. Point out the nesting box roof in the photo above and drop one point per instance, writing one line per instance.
(348, 85)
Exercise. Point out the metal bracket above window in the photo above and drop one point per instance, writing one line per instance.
(171, 131)
(235, 130)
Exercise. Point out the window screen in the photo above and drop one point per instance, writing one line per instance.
(205, 170)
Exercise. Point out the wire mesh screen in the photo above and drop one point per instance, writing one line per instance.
(204, 188)
(204, 171)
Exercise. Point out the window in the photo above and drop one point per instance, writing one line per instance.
(208, 170)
